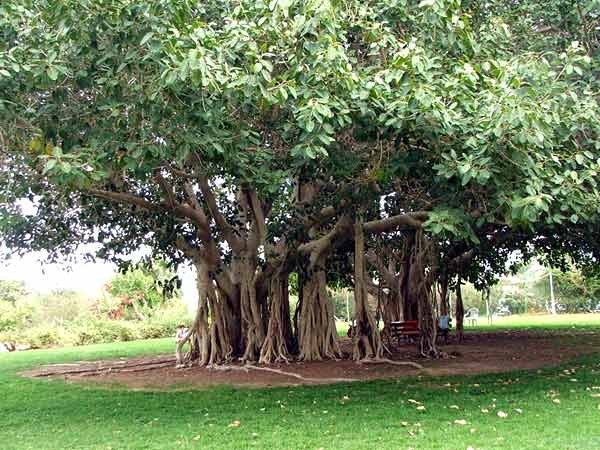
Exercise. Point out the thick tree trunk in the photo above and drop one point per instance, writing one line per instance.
(460, 313)
(421, 277)
(443, 291)
(278, 343)
(410, 307)
(253, 322)
(317, 335)
(366, 339)
(212, 340)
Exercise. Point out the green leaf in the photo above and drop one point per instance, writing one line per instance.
(50, 164)
(147, 37)
(52, 73)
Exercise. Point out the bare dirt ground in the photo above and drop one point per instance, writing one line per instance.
(480, 353)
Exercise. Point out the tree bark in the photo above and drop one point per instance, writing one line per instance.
(278, 343)
(421, 278)
(253, 324)
(407, 302)
(366, 339)
(317, 334)
(443, 292)
(460, 312)
(211, 335)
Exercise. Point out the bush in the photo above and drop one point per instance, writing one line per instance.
(42, 336)
(55, 320)
(101, 331)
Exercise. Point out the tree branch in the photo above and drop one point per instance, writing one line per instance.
(130, 199)
(316, 247)
(227, 230)
(413, 220)
(390, 278)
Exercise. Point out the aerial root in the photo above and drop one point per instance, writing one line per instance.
(247, 367)
(94, 368)
(392, 362)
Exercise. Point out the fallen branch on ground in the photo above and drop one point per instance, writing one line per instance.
(247, 367)
(392, 362)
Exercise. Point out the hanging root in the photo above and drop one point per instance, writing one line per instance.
(367, 341)
(278, 341)
(317, 335)
(423, 269)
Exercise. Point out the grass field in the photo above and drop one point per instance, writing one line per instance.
(539, 321)
(521, 322)
(555, 408)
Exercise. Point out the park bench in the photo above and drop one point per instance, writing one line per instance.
(409, 329)
(404, 330)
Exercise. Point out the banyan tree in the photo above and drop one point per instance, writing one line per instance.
(255, 140)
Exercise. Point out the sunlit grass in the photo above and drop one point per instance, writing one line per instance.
(539, 322)
(548, 409)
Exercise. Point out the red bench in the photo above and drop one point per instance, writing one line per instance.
(406, 329)
(410, 329)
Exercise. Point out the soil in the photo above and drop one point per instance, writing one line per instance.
(479, 353)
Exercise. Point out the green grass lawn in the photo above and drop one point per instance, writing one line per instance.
(539, 322)
(42, 414)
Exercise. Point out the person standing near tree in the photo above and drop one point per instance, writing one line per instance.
(180, 338)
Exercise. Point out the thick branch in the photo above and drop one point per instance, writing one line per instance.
(227, 230)
(123, 197)
(413, 220)
(389, 277)
(259, 216)
(316, 247)
(202, 220)
(166, 188)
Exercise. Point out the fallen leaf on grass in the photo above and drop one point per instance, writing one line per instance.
(595, 395)
(420, 408)
(556, 400)
(460, 422)
(234, 424)
(519, 410)
(502, 414)
(485, 410)
(197, 437)
(454, 407)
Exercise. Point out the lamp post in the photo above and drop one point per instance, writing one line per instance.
(552, 301)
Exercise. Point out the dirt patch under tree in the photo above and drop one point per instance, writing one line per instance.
(480, 353)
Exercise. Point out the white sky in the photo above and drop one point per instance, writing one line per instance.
(86, 278)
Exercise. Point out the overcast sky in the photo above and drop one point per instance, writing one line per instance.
(86, 278)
